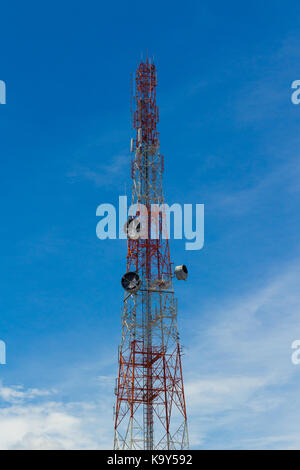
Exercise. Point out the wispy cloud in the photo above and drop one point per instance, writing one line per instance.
(219, 394)
(281, 178)
(31, 422)
(17, 394)
(268, 96)
(244, 385)
(106, 175)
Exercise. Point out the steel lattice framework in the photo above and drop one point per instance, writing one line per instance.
(150, 410)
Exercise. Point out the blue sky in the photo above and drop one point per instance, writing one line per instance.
(230, 137)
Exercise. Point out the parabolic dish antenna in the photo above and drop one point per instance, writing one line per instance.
(131, 282)
(132, 228)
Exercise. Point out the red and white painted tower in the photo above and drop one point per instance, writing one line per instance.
(150, 411)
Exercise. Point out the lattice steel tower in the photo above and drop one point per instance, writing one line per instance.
(150, 411)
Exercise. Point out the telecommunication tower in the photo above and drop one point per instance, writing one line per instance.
(150, 411)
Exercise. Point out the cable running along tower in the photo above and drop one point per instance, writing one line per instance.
(150, 411)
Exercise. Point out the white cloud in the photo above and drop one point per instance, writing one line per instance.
(17, 393)
(216, 394)
(280, 442)
(29, 422)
